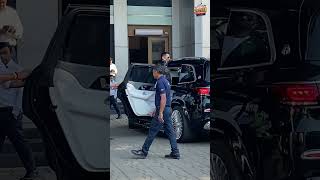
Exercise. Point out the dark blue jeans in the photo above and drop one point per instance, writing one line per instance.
(156, 126)
(12, 128)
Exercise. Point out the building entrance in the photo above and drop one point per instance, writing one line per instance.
(147, 44)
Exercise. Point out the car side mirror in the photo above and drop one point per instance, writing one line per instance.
(187, 74)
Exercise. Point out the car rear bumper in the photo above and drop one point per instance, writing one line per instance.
(201, 120)
(307, 142)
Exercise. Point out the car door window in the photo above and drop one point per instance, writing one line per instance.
(187, 74)
(247, 41)
(142, 74)
(85, 51)
(86, 42)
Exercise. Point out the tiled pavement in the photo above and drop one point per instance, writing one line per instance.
(194, 163)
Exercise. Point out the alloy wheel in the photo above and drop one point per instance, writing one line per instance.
(177, 123)
(218, 170)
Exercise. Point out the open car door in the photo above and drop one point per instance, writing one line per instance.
(140, 89)
(66, 96)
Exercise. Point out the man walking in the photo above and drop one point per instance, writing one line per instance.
(11, 111)
(161, 117)
(113, 93)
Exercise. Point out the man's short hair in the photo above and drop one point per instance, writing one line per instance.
(164, 53)
(160, 69)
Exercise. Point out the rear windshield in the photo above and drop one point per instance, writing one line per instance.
(207, 73)
(312, 51)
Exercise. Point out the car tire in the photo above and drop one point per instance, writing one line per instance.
(221, 157)
(186, 134)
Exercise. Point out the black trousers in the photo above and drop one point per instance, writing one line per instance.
(12, 128)
(114, 103)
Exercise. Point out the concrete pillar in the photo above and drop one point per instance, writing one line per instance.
(176, 30)
(121, 37)
(182, 28)
(202, 31)
(39, 27)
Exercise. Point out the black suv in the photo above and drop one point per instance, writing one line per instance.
(64, 96)
(266, 122)
(190, 96)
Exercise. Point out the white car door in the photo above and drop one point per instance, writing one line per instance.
(140, 90)
(79, 92)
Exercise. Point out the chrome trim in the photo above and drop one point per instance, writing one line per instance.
(207, 126)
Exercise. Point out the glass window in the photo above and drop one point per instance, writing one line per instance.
(187, 74)
(86, 42)
(207, 73)
(162, 3)
(11, 3)
(246, 41)
(312, 52)
(142, 74)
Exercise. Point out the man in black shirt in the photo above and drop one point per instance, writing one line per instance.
(165, 59)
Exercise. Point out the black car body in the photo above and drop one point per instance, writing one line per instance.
(266, 122)
(190, 96)
(64, 96)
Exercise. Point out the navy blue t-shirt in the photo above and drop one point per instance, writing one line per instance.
(162, 87)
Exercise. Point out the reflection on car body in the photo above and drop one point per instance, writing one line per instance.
(265, 98)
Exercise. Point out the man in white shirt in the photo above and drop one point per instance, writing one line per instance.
(10, 24)
(113, 93)
(113, 67)
(11, 28)
(11, 110)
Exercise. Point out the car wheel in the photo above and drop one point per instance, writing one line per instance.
(223, 163)
(131, 124)
(181, 126)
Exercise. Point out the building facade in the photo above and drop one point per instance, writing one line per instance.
(141, 29)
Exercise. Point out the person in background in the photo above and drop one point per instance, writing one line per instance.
(161, 117)
(113, 93)
(11, 109)
(165, 59)
(113, 67)
(11, 29)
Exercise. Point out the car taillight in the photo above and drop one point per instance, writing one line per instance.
(298, 94)
(311, 154)
(203, 91)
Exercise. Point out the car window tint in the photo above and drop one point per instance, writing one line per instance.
(207, 72)
(142, 74)
(87, 41)
(312, 52)
(186, 74)
(246, 41)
